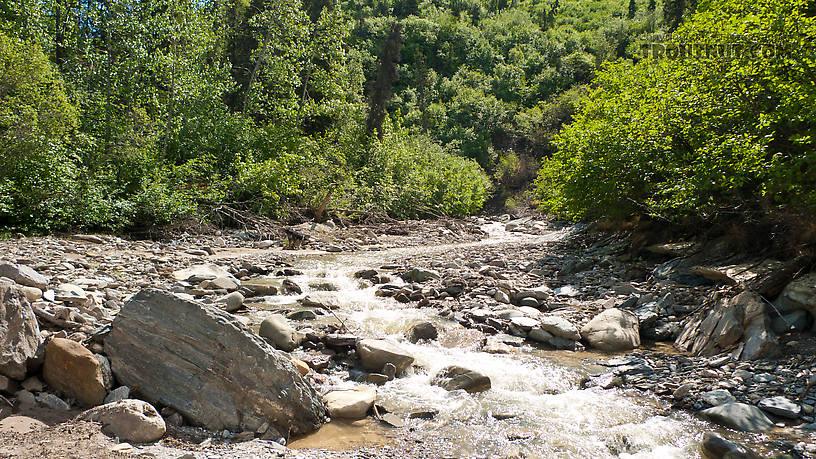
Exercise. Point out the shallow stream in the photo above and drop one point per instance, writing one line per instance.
(535, 406)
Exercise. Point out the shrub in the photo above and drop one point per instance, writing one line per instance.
(680, 138)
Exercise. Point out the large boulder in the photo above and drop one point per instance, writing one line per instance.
(23, 275)
(130, 420)
(612, 330)
(205, 364)
(721, 327)
(458, 378)
(738, 416)
(19, 332)
(72, 369)
(375, 353)
(350, 403)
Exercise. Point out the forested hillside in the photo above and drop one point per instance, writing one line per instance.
(127, 113)
(716, 135)
(131, 113)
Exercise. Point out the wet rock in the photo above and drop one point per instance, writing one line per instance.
(612, 330)
(19, 332)
(72, 369)
(340, 340)
(714, 446)
(738, 416)
(559, 326)
(458, 378)
(277, 331)
(662, 331)
(263, 286)
(129, 420)
(366, 274)
(232, 302)
(302, 314)
(23, 275)
(780, 406)
(198, 360)
(422, 330)
(290, 287)
(423, 414)
(321, 300)
(375, 353)
(350, 403)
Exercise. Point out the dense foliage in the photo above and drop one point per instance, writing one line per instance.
(127, 113)
(703, 136)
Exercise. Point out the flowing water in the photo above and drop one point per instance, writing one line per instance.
(535, 405)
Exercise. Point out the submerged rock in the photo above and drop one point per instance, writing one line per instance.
(375, 353)
(455, 378)
(200, 361)
(422, 330)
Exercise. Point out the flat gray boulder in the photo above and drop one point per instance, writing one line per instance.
(612, 330)
(19, 332)
(203, 363)
(738, 416)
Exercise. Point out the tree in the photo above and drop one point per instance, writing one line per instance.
(386, 77)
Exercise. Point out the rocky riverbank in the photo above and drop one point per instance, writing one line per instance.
(128, 327)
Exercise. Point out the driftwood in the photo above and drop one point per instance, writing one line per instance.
(249, 221)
